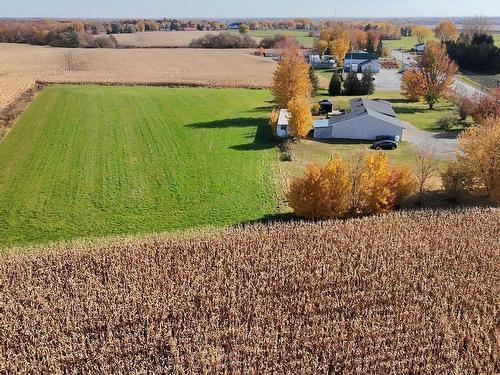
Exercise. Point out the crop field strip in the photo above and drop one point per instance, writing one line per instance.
(22, 65)
(403, 293)
(93, 161)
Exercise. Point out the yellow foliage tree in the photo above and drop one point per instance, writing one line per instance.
(479, 153)
(337, 174)
(273, 120)
(403, 184)
(301, 120)
(446, 31)
(291, 78)
(376, 185)
(321, 45)
(309, 195)
(339, 48)
(422, 33)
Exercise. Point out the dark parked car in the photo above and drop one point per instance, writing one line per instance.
(384, 145)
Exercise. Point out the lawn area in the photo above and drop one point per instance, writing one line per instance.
(302, 36)
(406, 43)
(98, 161)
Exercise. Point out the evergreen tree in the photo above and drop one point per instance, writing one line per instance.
(335, 87)
(369, 46)
(314, 81)
(367, 86)
(352, 86)
(380, 49)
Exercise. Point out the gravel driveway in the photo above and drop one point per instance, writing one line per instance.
(443, 144)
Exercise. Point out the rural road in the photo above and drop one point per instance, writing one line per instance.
(443, 144)
(459, 87)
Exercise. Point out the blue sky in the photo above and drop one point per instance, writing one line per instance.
(247, 8)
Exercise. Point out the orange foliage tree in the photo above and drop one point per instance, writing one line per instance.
(432, 78)
(291, 78)
(339, 48)
(301, 120)
(358, 39)
(446, 31)
(376, 194)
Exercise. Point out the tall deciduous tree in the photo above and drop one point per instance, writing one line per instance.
(291, 78)
(426, 167)
(432, 78)
(423, 33)
(300, 116)
(339, 48)
(479, 154)
(446, 31)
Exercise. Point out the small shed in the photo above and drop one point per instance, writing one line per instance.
(325, 106)
(282, 125)
(420, 47)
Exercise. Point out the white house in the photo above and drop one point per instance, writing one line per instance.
(361, 61)
(367, 120)
(282, 125)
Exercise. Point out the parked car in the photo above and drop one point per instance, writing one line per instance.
(384, 145)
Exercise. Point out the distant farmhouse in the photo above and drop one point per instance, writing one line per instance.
(234, 26)
(360, 61)
(368, 120)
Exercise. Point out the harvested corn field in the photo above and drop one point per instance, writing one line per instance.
(403, 293)
(22, 65)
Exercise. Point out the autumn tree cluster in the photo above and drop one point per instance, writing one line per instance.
(432, 78)
(477, 168)
(292, 89)
(365, 185)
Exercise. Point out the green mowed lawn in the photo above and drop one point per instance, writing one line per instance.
(302, 36)
(98, 161)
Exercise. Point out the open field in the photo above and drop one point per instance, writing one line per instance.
(183, 38)
(160, 38)
(94, 161)
(402, 293)
(406, 43)
(22, 65)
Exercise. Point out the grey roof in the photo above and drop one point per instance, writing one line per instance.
(379, 106)
(378, 109)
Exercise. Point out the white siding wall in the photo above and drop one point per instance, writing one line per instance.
(323, 133)
(365, 128)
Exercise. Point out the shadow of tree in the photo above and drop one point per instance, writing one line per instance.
(262, 140)
(411, 111)
(241, 122)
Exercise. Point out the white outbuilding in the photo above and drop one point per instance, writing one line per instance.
(282, 125)
(367, 120)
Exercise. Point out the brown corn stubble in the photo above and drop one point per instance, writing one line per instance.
(402, 293)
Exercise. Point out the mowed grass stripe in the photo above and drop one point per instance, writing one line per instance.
(97, 161)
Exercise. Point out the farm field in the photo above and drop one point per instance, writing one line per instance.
(22, 65)
(405, 43)
(96, 161)
(302, 36)
(405, 292)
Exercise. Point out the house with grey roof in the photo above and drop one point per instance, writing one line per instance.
(367, 120)
(360, 61)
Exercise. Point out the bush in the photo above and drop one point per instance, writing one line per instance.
(335, 87)
(315, 109)
(457, 181)
(447, 122)
(287, 150)
(224, 40)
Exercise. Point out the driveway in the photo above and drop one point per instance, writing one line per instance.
(388, 80)
(443, 144)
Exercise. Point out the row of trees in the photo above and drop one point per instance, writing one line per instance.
(223, 40)
(292, 88)
(352, 84)
(367, 184)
